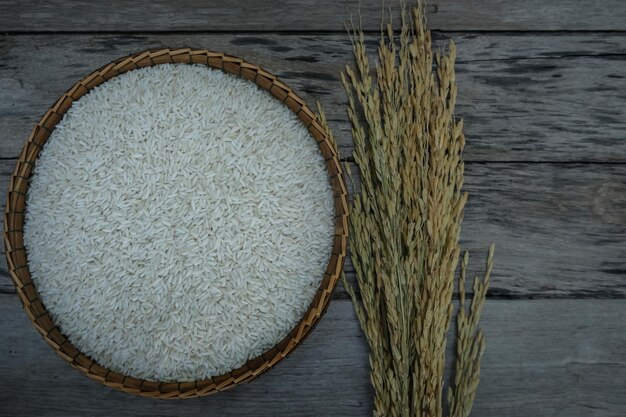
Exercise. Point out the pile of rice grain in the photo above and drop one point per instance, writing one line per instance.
(179, 221)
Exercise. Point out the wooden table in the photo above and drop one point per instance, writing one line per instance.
(542, 89)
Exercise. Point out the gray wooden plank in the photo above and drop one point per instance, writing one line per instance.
(540, 97)
(299, 15)
(559, 228)
(543, 358)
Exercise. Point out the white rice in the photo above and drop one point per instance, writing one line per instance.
(179, 221)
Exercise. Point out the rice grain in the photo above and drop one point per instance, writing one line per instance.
(179, 221)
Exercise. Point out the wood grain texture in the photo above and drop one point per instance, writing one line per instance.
(300, 15)
(559, 229)
(524, 98)
(543, 358)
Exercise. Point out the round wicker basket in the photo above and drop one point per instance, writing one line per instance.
(17, 256)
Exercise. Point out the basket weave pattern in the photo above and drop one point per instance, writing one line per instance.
(15, 209)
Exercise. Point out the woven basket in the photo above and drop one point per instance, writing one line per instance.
(17, 256)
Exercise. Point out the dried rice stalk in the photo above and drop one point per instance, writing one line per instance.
(405, 223)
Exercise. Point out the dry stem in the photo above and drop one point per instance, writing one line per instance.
(405, 223)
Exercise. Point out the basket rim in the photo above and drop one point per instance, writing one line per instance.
(16, 201)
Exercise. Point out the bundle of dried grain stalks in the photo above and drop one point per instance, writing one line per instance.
(405, 223)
